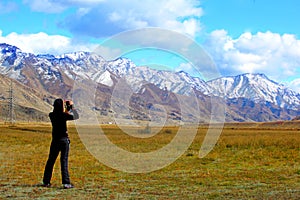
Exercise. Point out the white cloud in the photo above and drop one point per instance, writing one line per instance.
(177, 15)
(295, 85)
(42, 43)
(52, 6)
(85, 2)
(186, 67)
(278, 56)
(47, 6)
(118, 16)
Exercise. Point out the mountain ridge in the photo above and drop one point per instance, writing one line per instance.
(56, 75)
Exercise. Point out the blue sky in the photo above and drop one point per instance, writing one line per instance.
(241, 36)
(239, 16)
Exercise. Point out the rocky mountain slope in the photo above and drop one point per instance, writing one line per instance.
(28, 103)
(249, 97)
(256, 87)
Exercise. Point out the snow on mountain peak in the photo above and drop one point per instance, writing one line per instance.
(46, 56)
(105, 79)
(256, 87)
(6, 48)
(74, 56)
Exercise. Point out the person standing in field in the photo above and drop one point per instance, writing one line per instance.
(62, 112)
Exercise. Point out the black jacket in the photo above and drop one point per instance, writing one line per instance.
(59, 120)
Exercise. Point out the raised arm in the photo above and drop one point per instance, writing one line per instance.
(72, 114)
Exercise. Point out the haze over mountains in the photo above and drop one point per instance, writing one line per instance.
(249, 97)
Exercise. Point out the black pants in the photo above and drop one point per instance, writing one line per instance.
(62, 146)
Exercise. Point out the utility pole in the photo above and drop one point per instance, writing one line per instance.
(11, 113)
(11, 99)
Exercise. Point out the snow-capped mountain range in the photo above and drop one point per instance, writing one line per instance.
(59, 71)
(257, 87)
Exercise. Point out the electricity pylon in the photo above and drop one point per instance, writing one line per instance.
(11, 113)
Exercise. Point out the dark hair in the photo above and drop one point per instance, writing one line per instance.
(58, 106)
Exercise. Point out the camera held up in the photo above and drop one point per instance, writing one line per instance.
(68, 105)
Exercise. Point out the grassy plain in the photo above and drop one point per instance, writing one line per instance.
(250, 161)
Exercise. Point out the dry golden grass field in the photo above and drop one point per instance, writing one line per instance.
(250, 161)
